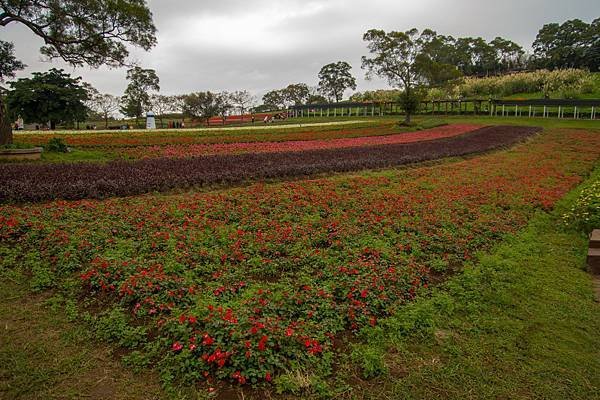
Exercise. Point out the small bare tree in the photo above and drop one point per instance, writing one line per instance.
(162, 105)
(242, 100)
(105, 105)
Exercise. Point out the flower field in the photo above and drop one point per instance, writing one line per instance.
(92, 139)
(244, 284)
(39, 182)
(194, 150)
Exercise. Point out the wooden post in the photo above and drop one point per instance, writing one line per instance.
(516, 110)
(545, 111)
(503, 108)
(575, 113)
(592, 115)
(529, 111)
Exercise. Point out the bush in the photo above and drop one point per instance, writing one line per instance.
(56, 145)
(584, 214)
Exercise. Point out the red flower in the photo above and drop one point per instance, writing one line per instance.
(262, 343)
(207, 340)
(177, 346)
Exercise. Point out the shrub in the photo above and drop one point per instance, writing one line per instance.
(584, 215)
(56, 145)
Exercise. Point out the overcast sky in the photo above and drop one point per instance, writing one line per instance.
(260, 45)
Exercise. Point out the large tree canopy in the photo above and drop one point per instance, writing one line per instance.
(52, 96)
(335, 79)
(573, 44)
(399, 57)
(92, 32)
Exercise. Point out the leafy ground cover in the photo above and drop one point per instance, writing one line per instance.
(38, 182)
(194, 150)
(264, 283)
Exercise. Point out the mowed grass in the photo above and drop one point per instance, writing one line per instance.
(45, 355)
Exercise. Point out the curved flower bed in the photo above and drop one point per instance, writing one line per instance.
(252, 134)
(243, 285)
(182, 151)
(35, 182)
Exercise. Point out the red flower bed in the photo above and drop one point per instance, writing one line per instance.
(180, 151)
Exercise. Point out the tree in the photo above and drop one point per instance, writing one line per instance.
(105, 105)
(8, 66)
(8, 62)
(296, 94)
(242, 100)
(508, 53)
(316, 98)
(223, 104)
(162, 105)
(573, 44)
(400, 58)
(52, 96)
(92, 32)
(136, 99)
(335, 79)
(274, 99)
(179, 105)
(202, 105)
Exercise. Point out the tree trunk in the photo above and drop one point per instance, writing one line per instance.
(6, 134)
(407, 119)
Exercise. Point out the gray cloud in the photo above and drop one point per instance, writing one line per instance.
(266, 44)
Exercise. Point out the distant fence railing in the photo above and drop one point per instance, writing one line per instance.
(545, 108)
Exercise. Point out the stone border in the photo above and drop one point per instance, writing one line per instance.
(34, 153)
(593, 259)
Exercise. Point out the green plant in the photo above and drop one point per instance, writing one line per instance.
(584, 214)
(113, 327)
(370, 359)
(56, 145)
